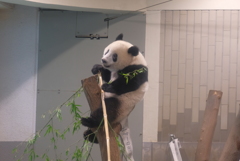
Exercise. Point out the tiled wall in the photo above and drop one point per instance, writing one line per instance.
(199, 51)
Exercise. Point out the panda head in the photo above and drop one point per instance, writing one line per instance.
(119, 55)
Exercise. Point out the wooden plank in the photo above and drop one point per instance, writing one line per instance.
(166, 107)
(219, 27)
(225, 91)
(204, 48)
(211, 57)
(224, 117)
(212, 27)
(189, 71)
(187, 125)
(183, 25)
(173, 113)
(226, 42)
(167, 83)
(203, 98)
(233, 51)
(93, 94)
(167, 58)
(182, 51)
(189, 46)
(174, 63)
(181, 79)
(203, 74)
(225, 69)
(218, 57)
(210, 80)
(232, 100)
(231, 151)
(196, 85)
(233, 76)
(218, 78)
(175, 32)
(195, 110)
(234, 24)
(205, 20)
(190, 22)
(168, 38)
(174, 87)
(208, 125)
(181, 98)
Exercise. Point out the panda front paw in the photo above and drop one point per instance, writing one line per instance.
(89, 122)
(97, 68)
(107, 88)
(90, 136)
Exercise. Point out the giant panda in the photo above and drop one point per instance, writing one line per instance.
(121, 92)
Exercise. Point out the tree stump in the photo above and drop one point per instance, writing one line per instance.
(231, 150)
(93, 94)
(208, 126)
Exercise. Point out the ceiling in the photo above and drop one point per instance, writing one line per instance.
(105, 6)
(4, 5)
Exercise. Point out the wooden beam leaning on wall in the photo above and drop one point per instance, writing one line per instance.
(93, 94)
(231, 150)
(208, 126)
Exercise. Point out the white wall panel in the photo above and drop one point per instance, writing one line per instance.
(207, 59)
(181, 99)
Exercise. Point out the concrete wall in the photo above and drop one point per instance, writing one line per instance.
(18, 83)
(18, 59)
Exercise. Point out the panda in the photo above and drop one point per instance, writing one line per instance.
(125, 73)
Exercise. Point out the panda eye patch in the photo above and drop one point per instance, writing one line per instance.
(114, 57)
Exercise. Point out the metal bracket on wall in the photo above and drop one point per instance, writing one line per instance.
(95, 24)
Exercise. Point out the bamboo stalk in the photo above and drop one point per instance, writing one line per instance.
(105, 118)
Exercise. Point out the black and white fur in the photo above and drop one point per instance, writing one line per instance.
(120, 97)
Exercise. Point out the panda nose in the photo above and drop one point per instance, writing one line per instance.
(104, 61)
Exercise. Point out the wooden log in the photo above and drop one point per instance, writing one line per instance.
(208, 126)
(93, 94)
(231, 150)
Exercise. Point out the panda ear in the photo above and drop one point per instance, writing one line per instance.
(119, 37)
(133, 50)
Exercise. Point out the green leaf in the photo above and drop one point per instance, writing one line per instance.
(14, 150)
(49, 130)
(59, 113)
(67, 152)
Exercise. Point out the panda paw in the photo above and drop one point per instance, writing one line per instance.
(97, 68)
(89, 122)
(107, 88)
(90, 136)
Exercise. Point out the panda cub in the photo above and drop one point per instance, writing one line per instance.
(125, 72)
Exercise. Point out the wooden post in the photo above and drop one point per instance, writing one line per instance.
(208, 126)
(231, 150)
(93, 94)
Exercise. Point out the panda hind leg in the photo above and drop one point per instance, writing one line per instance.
(96, 118)
(90, 136)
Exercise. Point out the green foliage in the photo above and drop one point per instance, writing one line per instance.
(132, 74)
(81, 153)
(77, 155)
(56, 134)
